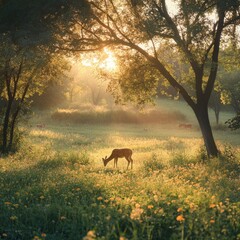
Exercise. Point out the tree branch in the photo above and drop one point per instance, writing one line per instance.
(214, 64)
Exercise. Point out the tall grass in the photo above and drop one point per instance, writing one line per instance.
(61, 198)
(56, 187)
(118, 116)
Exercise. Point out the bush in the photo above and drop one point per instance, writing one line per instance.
(73, 158)
(17, 140)
(234, 123)
(182, 160)
(178, 160)
(153, 164)
(117, 116)
(202, 154)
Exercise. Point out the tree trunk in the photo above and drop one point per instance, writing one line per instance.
(201, 113)
(12, 128)
(216, 109)
(6, 127)
(217, 116)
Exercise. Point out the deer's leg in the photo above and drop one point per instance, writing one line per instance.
(115, 162)
(131, 161)
(128, 162)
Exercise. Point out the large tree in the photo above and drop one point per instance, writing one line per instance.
(193, 29)
(24, 72)
(27, 60)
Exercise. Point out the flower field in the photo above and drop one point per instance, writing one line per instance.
(58, 188)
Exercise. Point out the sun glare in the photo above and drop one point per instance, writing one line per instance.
(108, 62)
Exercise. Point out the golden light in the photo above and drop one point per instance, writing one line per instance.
(110, 62)
(105, 60)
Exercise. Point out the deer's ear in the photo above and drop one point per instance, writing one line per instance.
(105, 157)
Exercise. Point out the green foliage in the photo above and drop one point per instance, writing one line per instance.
(76, 158)
(183, 160)
(231, 89)
(234, 123)
(31, 22)
(59, 195)
(137, 81)
(25, 72)
(153, 164)
(56, 187)
(117, 116)
(202, 154)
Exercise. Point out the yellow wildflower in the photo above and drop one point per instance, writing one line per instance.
(150, 206)
(212, 221)
(180, 209)
(13, 218)
(180, 218)
(90, 235)
(99, 198)
(137, 205)
(136, 212)
(43, 235)
(155, 197)
(212, 205)
(122, 238)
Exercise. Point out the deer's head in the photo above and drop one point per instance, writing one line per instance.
(104, 161)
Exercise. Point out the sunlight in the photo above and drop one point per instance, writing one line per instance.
(172, 7)
(110, 62)
(105, 60)
(88, 62)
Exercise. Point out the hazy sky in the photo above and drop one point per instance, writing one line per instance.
(172, 7)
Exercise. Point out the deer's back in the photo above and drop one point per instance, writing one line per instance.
(121, 152)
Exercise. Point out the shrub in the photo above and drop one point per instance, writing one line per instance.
(178, 160)
(182, 160)
(202, 154)
(153, 164)
(84, 159)
(77, 158)
(117, 116)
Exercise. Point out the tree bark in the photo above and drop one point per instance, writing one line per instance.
(6, 127)
(201, 113)
(15, 115)
(12, 129)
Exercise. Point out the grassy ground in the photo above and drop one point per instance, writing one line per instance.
(56, 187)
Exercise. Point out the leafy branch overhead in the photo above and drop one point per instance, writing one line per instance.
(193, 30)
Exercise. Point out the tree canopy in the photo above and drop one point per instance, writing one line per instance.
(194, 30)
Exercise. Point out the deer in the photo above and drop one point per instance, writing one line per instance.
(185, 125)
(119, 153)
(40, 125)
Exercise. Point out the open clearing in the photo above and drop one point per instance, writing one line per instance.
(56, 187)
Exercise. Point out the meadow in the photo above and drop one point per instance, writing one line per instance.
(56, 187)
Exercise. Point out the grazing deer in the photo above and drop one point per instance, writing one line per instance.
(184, 125)
(40, 125)
(119, 153)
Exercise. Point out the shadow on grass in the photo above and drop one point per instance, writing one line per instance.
(43, 199)
(65, 202)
